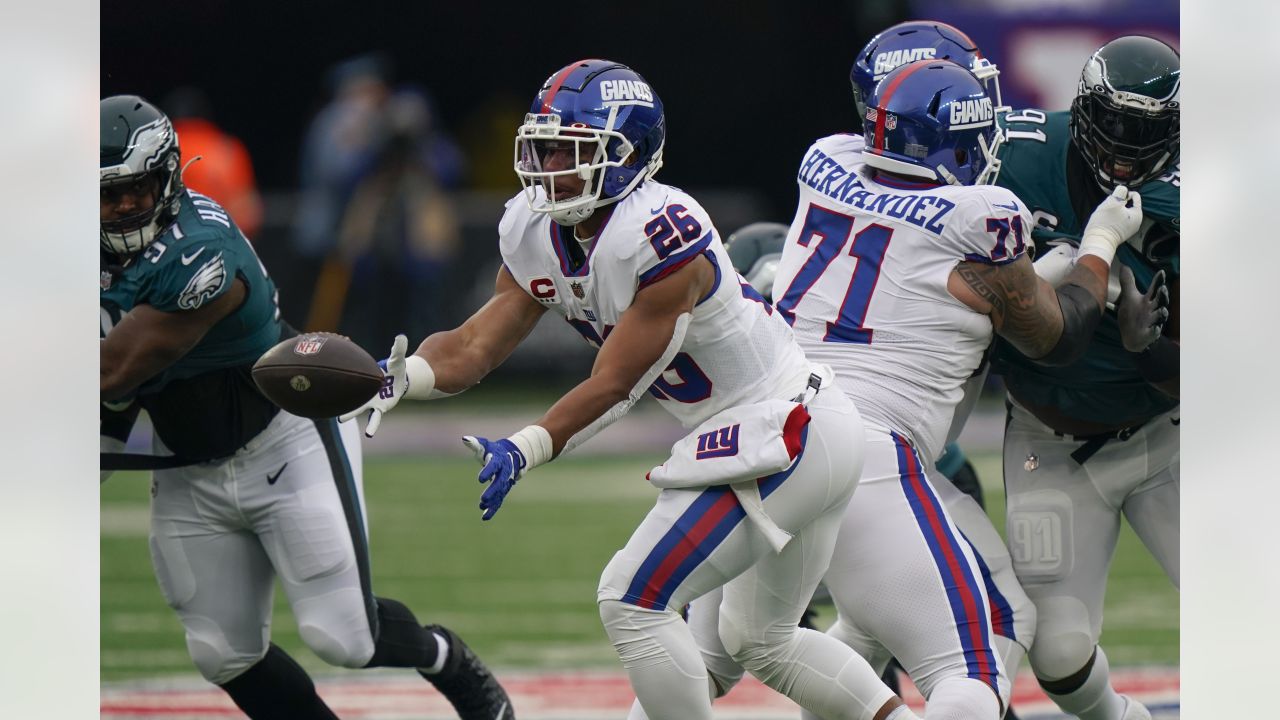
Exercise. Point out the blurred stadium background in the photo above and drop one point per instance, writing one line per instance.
(380, 140)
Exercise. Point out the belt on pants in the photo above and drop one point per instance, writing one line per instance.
(815, 384)
(1093, 443)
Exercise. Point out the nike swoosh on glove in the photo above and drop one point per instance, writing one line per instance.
(503, 466)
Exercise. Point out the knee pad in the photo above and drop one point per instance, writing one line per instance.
(213, 655)
(336, 628)
(633, 630)
(348, 650)
(1064, 638)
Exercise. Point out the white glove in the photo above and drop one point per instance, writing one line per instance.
(395, 384)
(1116, 218)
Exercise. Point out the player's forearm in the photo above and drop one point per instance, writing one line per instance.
(457, 363)
(581, 406)
(123, 370)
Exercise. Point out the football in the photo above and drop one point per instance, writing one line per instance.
(317, 375)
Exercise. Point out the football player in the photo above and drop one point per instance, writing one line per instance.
(1096, 439)
(900, 264)
(752, 498)
(242, 491)
(756, 250)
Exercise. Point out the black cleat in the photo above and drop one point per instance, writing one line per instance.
(467, 684)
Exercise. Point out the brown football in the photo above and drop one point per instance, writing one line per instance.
(317, 375)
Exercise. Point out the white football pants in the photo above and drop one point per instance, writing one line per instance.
(289, 503)
(697, 540)
(1064, 520)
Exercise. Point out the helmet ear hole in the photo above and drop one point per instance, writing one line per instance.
(962, 156)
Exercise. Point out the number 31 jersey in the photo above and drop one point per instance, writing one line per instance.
(863, 281)
(736, 351)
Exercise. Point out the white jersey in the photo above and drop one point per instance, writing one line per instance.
(736, 351)
(863, 280)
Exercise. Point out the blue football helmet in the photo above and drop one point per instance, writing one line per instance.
(609, 118)
(918, 40)
(932, 119)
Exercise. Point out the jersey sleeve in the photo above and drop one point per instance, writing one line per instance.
(992, 227)
(679, 231)
(194, 272)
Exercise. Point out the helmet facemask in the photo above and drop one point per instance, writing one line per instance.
(133, 233)
(1127, 139)
(594, 151)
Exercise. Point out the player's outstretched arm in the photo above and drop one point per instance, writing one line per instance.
(448, 362)
(638, 341)
(642, 338)
(147, 340)
(462, 357)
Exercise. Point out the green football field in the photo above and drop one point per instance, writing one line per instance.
(520, 588)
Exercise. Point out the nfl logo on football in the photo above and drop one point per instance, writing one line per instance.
(308, 345)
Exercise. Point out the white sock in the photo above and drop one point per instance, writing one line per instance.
(442, 654)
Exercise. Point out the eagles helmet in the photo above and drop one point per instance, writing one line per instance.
(933, 120)
(1124, 119)
(138, 147)
(756, 250)
(918, 40)
(611, 119)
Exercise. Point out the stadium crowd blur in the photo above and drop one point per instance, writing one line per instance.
(370, 163)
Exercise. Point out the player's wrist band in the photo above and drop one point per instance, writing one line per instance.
(534, 442)
(1094, 244)
(1159, 362)
(422, 380)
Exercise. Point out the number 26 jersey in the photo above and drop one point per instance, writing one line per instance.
(736, 351)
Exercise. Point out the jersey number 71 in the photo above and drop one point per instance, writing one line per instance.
(832, 229)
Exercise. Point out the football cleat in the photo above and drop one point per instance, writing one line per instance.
(467, 684)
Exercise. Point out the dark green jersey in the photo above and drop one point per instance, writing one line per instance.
(205, 402)
(1041, 167)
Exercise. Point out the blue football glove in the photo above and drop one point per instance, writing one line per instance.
(503, 466)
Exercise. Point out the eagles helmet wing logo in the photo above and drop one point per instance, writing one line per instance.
(204, 284)
(578, 290)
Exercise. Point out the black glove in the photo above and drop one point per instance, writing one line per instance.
(1141, 317)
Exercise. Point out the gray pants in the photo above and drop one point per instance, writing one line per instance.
(288, 504)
